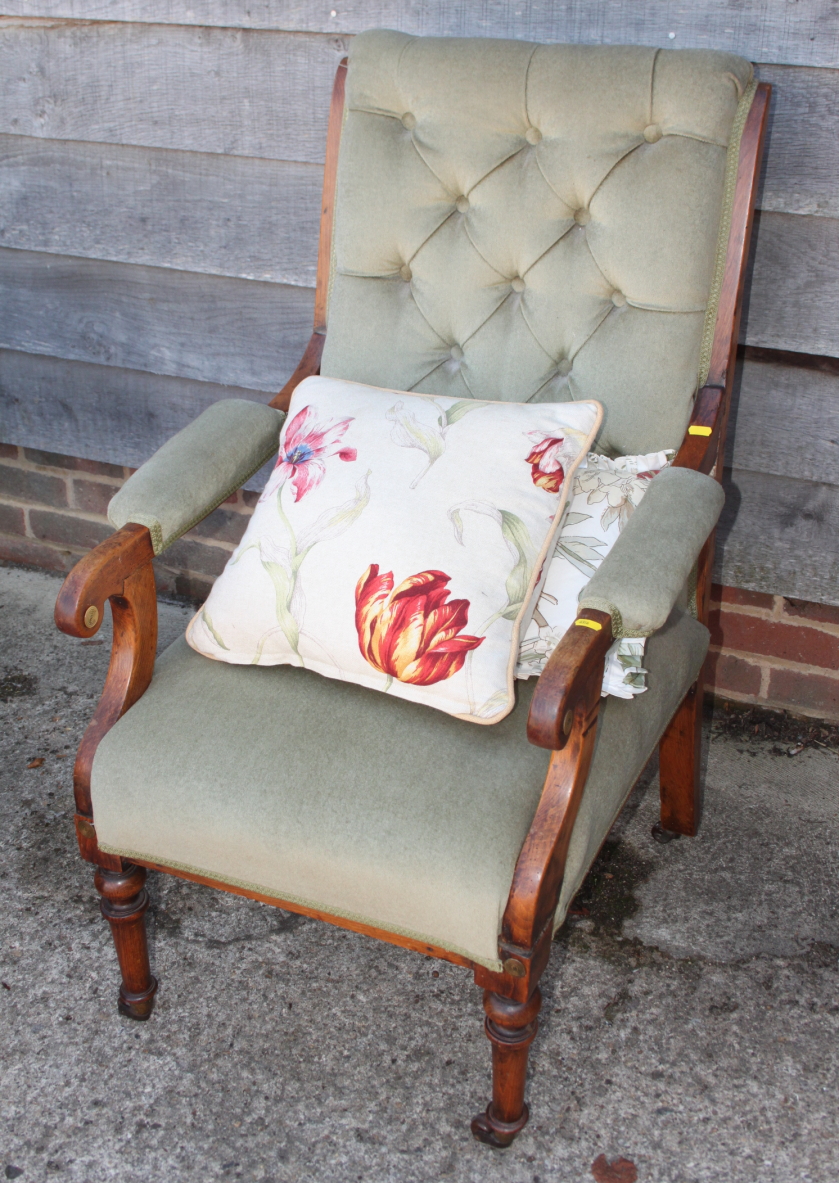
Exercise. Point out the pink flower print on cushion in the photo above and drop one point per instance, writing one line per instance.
(545, 459)
(306, 445)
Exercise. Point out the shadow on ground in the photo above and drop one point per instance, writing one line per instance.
(690, 1016)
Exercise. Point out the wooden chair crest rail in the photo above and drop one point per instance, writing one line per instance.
(563, 716)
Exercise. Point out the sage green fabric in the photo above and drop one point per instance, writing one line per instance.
(532, 222)
(646, 570)
(345, 799)
(197, 469)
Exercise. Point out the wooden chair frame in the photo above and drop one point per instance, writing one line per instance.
(563, 714)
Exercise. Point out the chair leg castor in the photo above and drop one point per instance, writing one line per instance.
(123, 904)
(511, 1028)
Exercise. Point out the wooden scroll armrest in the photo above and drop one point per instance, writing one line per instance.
(119, 570)
(308, 365)
(572, 665)
(706, 429)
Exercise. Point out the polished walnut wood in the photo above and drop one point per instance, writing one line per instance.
(679, 751)
(511, 1028)
(563, 713)
(124, 901)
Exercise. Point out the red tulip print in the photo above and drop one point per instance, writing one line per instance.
(410, 632)
(545, 459)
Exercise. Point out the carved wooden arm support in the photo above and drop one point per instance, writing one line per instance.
(119, 570)
(563, 717)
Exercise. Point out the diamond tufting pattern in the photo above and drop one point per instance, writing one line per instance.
(531, 223)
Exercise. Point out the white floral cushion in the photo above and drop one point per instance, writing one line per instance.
(604, 494)
(381, 507)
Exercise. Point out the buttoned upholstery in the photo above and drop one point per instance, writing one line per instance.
(531, 222)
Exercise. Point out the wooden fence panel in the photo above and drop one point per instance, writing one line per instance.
(778, 535)
(222, 215)
(228, 331)
(806, 33)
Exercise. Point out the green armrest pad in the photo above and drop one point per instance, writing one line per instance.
(197, 469)
(640, 579)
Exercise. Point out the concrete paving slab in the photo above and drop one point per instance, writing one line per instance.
(690, 1018)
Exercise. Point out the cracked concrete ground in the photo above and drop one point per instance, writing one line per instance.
(690, 1018)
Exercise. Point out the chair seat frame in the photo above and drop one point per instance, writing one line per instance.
(563, 712)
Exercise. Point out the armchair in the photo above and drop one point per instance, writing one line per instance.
(505, 221)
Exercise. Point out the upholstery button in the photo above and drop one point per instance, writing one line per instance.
(618, 299)
(582, 217)
(406, 273)
(457, 353)
(533, 135)
(517, 284)
(462, 204)
(409, 121)
(564, 366)
(653, 133)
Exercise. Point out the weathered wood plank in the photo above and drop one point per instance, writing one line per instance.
(79, 83)
(785, 422)
(230, 331)
(779, 535)
(98, 412)
(223, 215)
(231, 91)
(769, 31)
(801, 165)
(794, 297)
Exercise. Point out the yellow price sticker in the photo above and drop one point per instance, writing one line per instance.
(700, 430)
(588, 623)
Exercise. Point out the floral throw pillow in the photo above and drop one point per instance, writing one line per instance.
(399, 543)
(605, 492)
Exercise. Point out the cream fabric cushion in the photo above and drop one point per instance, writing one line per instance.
(604, 494)
(533, 222)
(381, 506)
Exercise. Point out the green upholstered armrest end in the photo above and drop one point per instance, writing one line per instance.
(197, 469)
(639, 581)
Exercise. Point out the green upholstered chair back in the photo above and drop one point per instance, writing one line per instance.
(534, 223)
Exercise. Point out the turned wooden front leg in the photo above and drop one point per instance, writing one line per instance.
(124, 903)
(511, 1028)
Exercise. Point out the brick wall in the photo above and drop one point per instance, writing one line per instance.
(53, 509)
(764, 649)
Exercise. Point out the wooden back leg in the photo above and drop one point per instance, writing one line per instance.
(680, 748)
(124, 903)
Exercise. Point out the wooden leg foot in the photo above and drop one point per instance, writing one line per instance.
(511, 1028)
(124, 902)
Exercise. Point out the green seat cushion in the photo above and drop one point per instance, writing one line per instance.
(343, 799)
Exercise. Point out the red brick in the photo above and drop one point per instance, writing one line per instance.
(36, 487)
(9, 451)
(250, 497)
(93, 496)
(76, 463)
(810, 692)
(34, 554)
(195, 557)
(223, 524)
(12, 520)
(66, 530)
(741, 597)
(727, 673)
(823, 613)
(774, 638)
